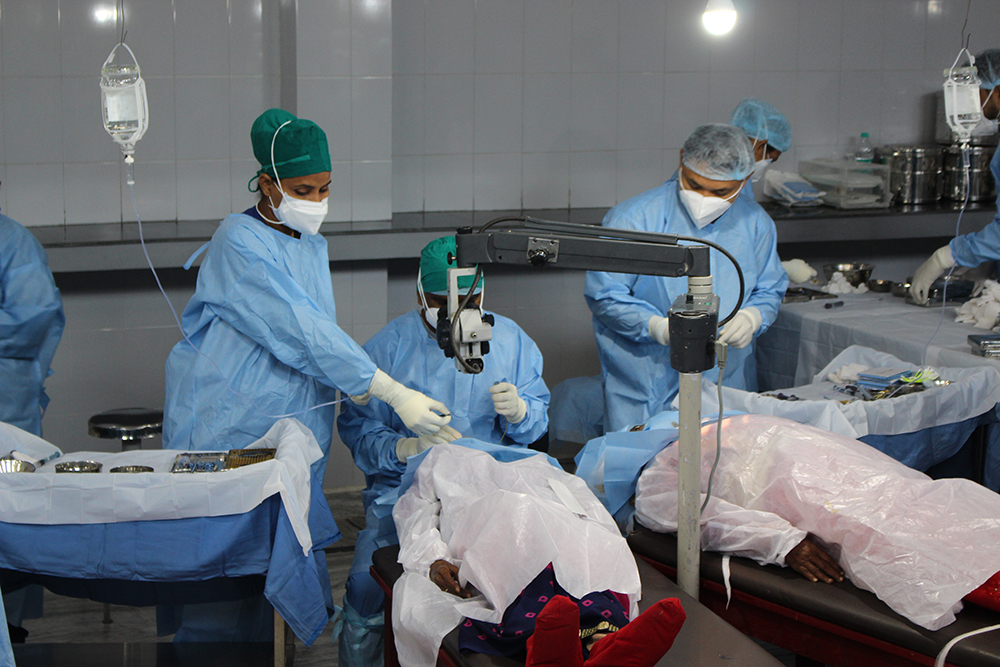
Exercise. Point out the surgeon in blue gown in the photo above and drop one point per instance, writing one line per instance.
(507, 404)
(970, 250)
(630, 311)
(769, 131)
(31, 325)
(262, 341)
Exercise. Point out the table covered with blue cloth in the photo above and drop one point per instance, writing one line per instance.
(273, 546)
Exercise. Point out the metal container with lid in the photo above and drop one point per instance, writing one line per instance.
(982, 186)
(914, 172)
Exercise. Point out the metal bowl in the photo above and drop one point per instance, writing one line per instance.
(854, 272)
(131, 469)
(901, 289)
(78, 466)
(15, 465)
(880, 285)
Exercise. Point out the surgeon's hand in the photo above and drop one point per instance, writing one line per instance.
(507, 403)
(407, 447)
(929, 271)
(445, 575)
(812, 562)
(421, 414)
(659, 329)
(739, 331)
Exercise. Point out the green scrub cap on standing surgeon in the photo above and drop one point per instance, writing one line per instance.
(988, 68)
(435, 260)
(762, 122)
(300, 147)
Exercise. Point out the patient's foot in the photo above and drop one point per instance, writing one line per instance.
(642, 642)
(556, 641)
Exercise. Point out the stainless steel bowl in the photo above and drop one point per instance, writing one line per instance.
(15, 465)
(901, 289)
(78, 466)
(854, 272)
(880, 285)
(131, 469)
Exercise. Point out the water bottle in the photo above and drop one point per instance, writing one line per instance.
(865, 152)
(123, 97)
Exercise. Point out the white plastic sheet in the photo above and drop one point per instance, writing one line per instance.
(47, 497)
(920, 545)
(973, 392)
(501, 523)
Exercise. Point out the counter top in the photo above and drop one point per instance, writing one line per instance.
(115, 246)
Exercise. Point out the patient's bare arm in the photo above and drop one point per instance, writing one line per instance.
(812, 562)
(445, 575)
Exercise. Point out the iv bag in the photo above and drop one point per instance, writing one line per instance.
(962, 109)
(123, 98)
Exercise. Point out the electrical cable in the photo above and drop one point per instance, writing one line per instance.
(718, 434)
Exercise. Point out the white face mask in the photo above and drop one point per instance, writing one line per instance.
(759, 167)
(431, 315)
(704, 210)
(302, 215)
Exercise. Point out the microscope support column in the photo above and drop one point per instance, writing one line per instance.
(689, 486)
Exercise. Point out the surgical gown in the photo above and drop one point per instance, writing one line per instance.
(984, 245)
(405, 350)
(638, 379)
(31, 324)
(264, 322)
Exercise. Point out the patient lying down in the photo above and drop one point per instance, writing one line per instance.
(826, 505)
(525, 560)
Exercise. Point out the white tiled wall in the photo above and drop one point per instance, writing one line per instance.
(556, 103)
(211, 66)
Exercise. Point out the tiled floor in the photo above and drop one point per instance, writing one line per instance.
(75, 621)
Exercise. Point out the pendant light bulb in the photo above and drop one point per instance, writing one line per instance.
(719, 17)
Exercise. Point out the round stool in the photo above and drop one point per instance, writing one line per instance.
(130, 425)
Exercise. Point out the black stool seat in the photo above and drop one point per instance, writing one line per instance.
(126, 424)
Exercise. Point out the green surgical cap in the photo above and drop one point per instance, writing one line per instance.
(434, 265)
(300, 147)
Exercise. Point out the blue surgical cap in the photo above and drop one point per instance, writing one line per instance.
(988, 68)
(761, 121)
(719, 152)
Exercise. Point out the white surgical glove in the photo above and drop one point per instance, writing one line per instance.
(659, 329)
(507, 403)
(798, 271)
(421, 414)
(407, 447)
(739, 331)
(929, 271)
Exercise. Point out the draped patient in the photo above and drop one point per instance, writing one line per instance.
(830, 506)
(526, 560)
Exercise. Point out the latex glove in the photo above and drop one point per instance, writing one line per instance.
(421, 414)
(798, 271)
(507, 403)
(659, 329)
(929, 271)
(407, 447)
(739, 331)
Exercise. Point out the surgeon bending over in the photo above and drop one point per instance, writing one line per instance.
(263, 317)
(970, 250)
(630, 311)
(506, 404)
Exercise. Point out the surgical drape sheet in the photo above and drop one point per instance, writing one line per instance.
(919, 544)
(47, 497)
(918, 429)
(502, 523)
(60, 531)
